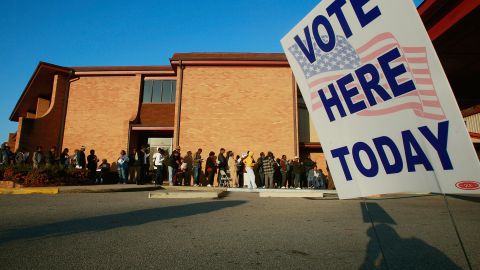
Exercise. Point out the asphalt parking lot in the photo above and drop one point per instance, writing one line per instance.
(241, 231)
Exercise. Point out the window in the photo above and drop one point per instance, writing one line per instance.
(159, 91)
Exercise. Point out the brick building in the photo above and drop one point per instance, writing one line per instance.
(239, 101)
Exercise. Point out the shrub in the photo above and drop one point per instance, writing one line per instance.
(36, 178)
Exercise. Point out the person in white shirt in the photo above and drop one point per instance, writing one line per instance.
(158, 166)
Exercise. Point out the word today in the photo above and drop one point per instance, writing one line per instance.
(407, 153)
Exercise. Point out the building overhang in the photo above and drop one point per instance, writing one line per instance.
(452, 27)
(124, 70)
(229, 59)
(39, 85)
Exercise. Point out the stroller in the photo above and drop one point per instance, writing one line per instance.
(224, 179)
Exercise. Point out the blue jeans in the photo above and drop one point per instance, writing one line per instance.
(196, 174)
(122, 174)
(298, 180)
(170, 175)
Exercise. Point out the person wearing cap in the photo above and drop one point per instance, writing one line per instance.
(249, 175)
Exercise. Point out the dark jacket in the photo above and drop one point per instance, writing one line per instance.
(140, 158)
(309, 164)
(297, 167)
(222, 165)
(50, 158)
(174, 160)
(92, 162)
(210, 165)
(81, 159)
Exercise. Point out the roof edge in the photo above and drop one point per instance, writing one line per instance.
(40, 65)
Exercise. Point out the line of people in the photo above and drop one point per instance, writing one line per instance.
(226, 169)
(244, 170)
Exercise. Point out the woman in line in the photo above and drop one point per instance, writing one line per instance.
(158, 159)
(92, 164)
(122, 165)
(232, 167)
(249, 175)
(211, 168)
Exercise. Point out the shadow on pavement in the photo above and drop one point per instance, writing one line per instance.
(475, 199)
(108, 222)
(400, 253)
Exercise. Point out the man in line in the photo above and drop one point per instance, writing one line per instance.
(260, 171)
(197, 166)
(158, 166)
(222, 164)
(269, 169)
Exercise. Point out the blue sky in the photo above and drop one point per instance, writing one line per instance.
(125, 32)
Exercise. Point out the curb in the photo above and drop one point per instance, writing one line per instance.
(107, 190)
(26, 191)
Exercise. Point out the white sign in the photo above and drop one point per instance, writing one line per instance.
(381, 103)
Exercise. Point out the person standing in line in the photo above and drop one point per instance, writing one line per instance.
(104, 172)
(240, 169)
(284, 170)
(260, 171)
(222, 164)
(139, 166)
(249, 175)
(309, 166)
(92, 164)
(232, 167)
(269, 169)
(277, 175)
(187, 176)
(73, 158)
(64, 159)
(122, 166)
(81, 160)
(146, 162)
(51, 157)
(9, 156)
(20, 157)
(172, 167)
(132, 177)
(37, 158)
(158, 166)
(297, 171)
(211, 168)
(197, 167)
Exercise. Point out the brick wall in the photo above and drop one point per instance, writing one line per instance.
(238, 108)
(157, 114)
(45, 130)
(98, 114)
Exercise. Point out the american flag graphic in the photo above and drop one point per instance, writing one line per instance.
(344, 58)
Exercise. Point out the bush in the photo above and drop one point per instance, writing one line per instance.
(36, 178)
(45, 176)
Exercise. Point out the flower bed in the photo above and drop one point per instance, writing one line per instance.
(26, 176)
